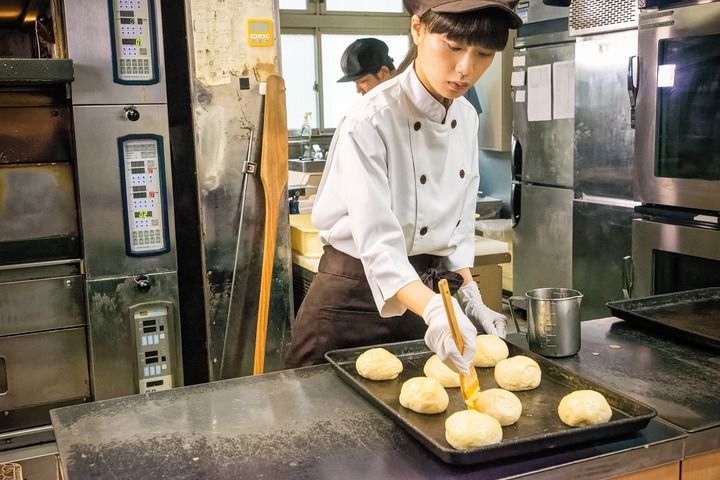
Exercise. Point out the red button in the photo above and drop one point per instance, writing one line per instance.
(423, 230)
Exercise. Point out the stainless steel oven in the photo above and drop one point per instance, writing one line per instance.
(678, 107)
(674, 250)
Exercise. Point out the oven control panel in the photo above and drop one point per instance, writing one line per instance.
(144, 198)
(133, 39)
(153, 325)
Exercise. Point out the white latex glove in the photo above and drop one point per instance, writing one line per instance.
(439, 338)
(492, 322)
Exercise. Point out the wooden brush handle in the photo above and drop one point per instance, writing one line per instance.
(450, 311)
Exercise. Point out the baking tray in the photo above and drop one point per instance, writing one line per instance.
(693, 315)
(538, 428)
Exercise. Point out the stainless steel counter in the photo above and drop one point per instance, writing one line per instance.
(680, 380)
(303, 423)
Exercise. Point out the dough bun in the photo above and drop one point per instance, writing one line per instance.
(435, 368)
(471, 429)
(378, 364)
(489, 350)
(584, 407)
(518, 373)
(424, 395)
(503, 406)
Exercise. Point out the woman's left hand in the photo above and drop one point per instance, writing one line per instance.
(492, 322)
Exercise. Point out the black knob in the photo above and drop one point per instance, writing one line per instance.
(132, 114)
(143, 283)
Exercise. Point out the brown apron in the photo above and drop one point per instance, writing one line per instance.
(339, 311)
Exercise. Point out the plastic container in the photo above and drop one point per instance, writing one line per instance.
(304, 236)
(488, 207)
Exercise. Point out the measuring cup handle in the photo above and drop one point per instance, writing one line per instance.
(512, 315)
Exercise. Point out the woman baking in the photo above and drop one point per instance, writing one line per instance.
(396, 204)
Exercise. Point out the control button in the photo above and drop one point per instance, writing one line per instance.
(423, 230)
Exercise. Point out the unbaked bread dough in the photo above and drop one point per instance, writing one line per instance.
(471, 429)
(424, 395)
(435, 368)
(584, 407)
(517, 373)
(378, 364)
(503, 406)
(489, 350)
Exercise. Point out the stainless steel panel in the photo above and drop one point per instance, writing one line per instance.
(98, 174)
(604, 140)
(599, 16)
(90, 47)
(542, 239)
(44, 367)
(36, 134)
(649, 236)
(46, 304)
(37, 201)
(602, 236)
(28, 271)
(547, 146)
(689, 21)
(538, 11)
(113, 352)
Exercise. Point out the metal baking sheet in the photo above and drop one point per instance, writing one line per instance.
(693, 315)
(538, 428)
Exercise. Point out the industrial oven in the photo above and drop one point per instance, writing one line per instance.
(88, 271)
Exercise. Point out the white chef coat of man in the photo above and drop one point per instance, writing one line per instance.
(396, 203)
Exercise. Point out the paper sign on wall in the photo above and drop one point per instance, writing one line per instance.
(520, 96)
(517, 79)
(519, 61)
(539, 93)
(563, 79)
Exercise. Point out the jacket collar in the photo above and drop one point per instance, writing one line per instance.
(420, 97)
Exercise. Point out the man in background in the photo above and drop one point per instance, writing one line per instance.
(367, 63)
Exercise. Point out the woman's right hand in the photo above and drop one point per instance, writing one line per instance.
(439, 337)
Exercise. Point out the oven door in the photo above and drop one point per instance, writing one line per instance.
(678, 108)
(672, 258)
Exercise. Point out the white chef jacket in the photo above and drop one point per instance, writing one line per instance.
(400, 181)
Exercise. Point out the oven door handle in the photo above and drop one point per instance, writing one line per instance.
(628, 271)
(633, 83)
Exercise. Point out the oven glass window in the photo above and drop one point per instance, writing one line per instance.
(689, 108)
(675, 272)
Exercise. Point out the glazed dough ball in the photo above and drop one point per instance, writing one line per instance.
(584, 407)
(471, 429)
(489, 350)
(435, 368)
(503, 406)
(424, 395)
(517, 373)
(378, 364)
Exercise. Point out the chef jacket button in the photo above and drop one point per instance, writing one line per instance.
(423, 179)
(416, 126)
(423, 230)
(453, 124)
(462, 173)
(457, 224)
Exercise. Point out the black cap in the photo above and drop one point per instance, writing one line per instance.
(364, 56)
